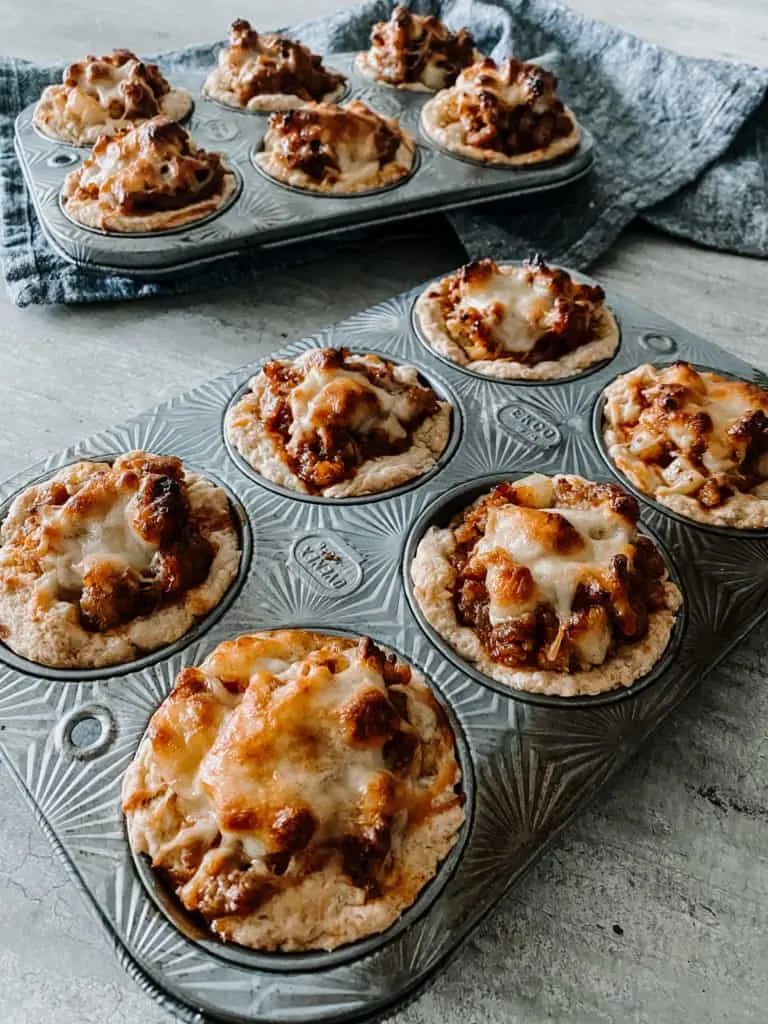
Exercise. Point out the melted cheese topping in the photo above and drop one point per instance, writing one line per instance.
(512, 83)
(152, 166)
(551, 573)
(353, 143)
(673, 429)
(271, 724)
(254, 65)
(338, 423)
(103, 93)
(346, 397)
(291, 723)
(415, 48)
(109, 534)
(533, 539)
(97, 524)
(514, 306)
(280, 744)
(93, 534)
(494, 312)
(104, 81)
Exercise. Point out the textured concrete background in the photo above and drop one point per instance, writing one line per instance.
(653, 907)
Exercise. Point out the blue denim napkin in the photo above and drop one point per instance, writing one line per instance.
(679, 141)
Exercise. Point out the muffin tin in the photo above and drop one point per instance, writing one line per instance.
(529, 762)
(266, 213)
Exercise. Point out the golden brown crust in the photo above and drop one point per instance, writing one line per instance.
(297, 790)
(694, 440)
(148, 178)
(517, 322)
(339, 424)
(508, 114)
(103, 95)
(412, 51)
(269, 72)
(546, 585)
(324, 147)
(101, 563)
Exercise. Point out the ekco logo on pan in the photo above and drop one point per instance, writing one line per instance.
(528, 424)
(328, 562)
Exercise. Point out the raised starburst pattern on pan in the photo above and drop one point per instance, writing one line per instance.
(147, 932)
(416, 952)
(593, 738)
(484, 714)
(264, 209)
(214, 129)
(34, 156)
(28, 710)
(655, 703)
(152, 990)
(64, 232)
(570, 409)
(48, 195)
(148, 433)
(741, 566)
(278, 516)
(725, 574)
(380, 101)
(216, 231)
(521, 797)
(485, 449)
(75, 245)
(79, 798)
(383, 523)
(384, 327)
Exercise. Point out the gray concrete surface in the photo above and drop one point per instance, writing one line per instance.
(653, 907)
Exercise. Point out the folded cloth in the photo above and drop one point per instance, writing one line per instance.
(679, 141)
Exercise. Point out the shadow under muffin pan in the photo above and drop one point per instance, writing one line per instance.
(442, 391)
(199, 628)
(534, 765)
(576, 375)
(624, 481)
(267, 212)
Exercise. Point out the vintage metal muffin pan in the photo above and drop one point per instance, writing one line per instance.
(529, 762)
(266, 213)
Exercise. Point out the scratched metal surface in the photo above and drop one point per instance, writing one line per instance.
(529, 763)
(265, 213)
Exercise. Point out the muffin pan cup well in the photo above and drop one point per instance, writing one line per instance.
(529, 764)
(267, 213)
